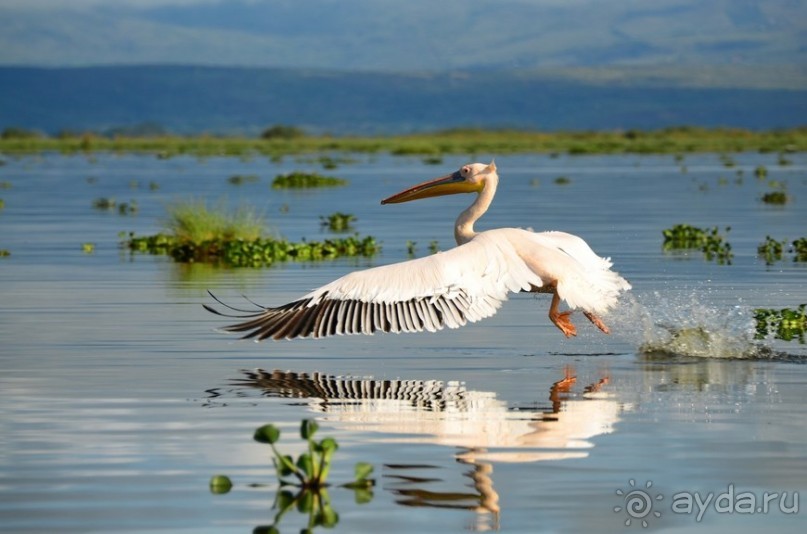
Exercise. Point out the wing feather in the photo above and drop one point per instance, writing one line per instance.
(448, 289)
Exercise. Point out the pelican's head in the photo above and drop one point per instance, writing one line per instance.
(470, 178)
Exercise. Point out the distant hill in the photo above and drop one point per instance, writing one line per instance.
(390, 35)
(184, 99)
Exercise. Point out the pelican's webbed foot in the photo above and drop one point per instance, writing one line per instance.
(596, 321)
(562, 321)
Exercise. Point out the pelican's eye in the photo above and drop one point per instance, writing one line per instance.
(465, 171)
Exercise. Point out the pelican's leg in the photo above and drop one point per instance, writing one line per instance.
(565, 384)
(596, 321)
(561, 319)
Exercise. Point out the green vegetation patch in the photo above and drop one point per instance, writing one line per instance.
(195, 232)
(240, 179)
(314, 464)
(800, 249)
(710, 242)
(772, 250)
(338, 221)
(786, 324)
(104, 203)
(305, 180)
(308, 474)
(195, 222)
(260, 252)
(775, 197)
(278, 141)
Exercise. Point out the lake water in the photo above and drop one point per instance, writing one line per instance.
(119, 399)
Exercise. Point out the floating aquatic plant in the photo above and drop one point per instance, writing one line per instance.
(311, 469)
(104, 203)
(240, 179)
(562, 180)
(800, 249)
(305, 180)
(771, 250)
(775, 197)
(88, 248)
(727, 160)
(338, 221)
(128, 208)
(4, 253)
(220, 484)
(308, 473)
(761, 172)
(196, 233)
(786, 324)
(709, 241)
(260, 252)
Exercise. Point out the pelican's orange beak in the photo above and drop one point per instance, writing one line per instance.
(445, 185)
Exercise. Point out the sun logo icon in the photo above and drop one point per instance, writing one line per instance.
(638, 503)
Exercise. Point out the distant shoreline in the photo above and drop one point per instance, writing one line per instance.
(281, 141)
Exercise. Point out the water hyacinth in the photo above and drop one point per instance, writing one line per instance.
(303, 180)
(260, 252)
(710, 242)
(800, 249)
(773, 250)
(337, 222)
(196, 233)
(311, 469)
(786, 324)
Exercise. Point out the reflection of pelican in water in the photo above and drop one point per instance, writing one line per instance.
(447, 413)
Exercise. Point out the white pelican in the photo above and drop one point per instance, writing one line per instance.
(466, 283)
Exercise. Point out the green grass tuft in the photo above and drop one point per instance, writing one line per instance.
(194, 222)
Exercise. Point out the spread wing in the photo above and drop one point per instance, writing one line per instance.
(466, 283)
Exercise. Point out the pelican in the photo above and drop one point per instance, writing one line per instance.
(449, 289)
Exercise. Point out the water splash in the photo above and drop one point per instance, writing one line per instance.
(673, 324)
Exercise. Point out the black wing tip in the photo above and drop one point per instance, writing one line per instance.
(241, 313)
(261, 322)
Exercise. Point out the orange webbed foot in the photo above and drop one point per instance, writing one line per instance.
(596, 321)
(562, 321)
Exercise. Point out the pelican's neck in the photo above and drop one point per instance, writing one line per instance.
(464, 227)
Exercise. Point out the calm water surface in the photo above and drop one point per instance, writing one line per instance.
(119, 400)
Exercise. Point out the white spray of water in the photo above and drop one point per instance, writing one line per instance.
(676, 324)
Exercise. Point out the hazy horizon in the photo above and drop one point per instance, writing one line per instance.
(382, 35)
